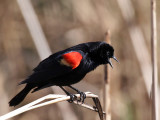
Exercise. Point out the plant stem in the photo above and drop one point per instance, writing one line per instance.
(154, 62)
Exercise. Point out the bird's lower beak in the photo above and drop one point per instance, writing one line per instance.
(110, 63)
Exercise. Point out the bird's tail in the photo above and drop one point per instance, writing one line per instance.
(20, 96)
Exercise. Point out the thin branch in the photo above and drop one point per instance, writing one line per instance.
(93, 108)
(107, 99)
(155, 94)
(99, 108)
(53, 98)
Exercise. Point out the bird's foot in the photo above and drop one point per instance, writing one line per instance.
(72, 98)
(82, 94)
(82, 97)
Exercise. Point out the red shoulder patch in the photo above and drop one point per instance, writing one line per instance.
(72, 59)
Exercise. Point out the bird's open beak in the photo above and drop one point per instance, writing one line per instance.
(110, 63)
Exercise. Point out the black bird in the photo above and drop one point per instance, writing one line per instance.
(65, 68)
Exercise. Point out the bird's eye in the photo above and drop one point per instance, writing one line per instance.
(108, 53)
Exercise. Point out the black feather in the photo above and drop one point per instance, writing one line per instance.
(20, 96)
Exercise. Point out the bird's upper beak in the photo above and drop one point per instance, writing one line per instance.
(115, 59)
(110, 63)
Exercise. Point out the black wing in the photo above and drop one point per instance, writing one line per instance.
(49, 68)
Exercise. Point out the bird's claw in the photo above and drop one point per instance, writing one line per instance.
(82, 97)
(72, 98)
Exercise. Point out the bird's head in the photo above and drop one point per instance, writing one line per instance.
(106, 53)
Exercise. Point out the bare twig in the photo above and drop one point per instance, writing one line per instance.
(154, 62)
(99, 108)
(93, 108)
(107, 99)
(53, 98)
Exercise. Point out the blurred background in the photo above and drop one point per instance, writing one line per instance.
(69, 22)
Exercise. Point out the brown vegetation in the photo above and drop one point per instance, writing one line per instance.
(67, 23)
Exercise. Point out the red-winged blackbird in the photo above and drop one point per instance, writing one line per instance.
(66, 67)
